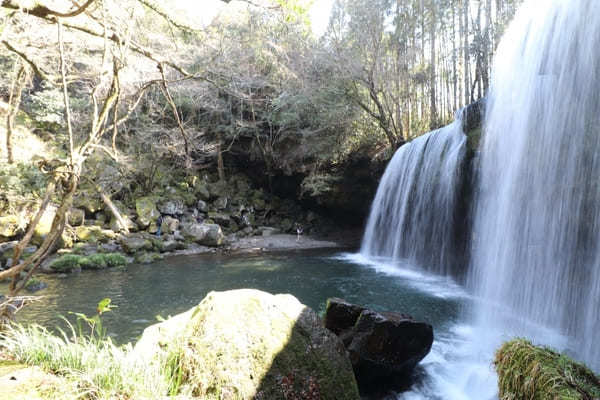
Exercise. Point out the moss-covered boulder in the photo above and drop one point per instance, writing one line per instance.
(75, 262)
(146, 210)
(76, 216)
(248, 344)
(530, 372)
(9, 227)
(94, 234)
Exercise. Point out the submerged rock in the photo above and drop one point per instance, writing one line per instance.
(248, 344)
(382, 346)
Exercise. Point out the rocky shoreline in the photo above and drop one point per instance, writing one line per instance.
(198, 216)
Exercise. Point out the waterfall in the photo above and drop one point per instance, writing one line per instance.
(536, 234)
(417, 201)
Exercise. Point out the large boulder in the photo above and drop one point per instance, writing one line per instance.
(204, 234)
(526, 371)
(146, 210)
(248, 344)
(382, 346)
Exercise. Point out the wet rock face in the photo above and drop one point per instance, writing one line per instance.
(382, 345)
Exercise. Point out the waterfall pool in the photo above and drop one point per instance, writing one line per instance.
(451, 371)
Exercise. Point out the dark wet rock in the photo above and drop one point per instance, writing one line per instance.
(383, 346)
(220, 218)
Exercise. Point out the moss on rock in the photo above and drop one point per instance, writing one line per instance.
(248, 344)
(530, 372)
(74, 262)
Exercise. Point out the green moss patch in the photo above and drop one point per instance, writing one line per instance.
(530, 372)
(72, 262)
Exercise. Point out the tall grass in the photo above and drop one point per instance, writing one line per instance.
(101, 369)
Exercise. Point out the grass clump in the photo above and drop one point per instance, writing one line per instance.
(72, 262)
(530, 372)
(100, 369)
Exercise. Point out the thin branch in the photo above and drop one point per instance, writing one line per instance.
(38, 71)
(42, 11)
(63, 73)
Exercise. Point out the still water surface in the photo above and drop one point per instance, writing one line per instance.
(176, 284)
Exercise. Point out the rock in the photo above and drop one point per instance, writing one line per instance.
(42, 229)
(218, 189)
(134, 243)
(268, 231)
(90, 203)
(248, 344)
(201, 190)
(169, 225)
(147, 258)
(171, 245)
(287, 225)
(116, 226)
(146, 210)
(202, 206)
(259, 204)
(34, 285)
(526, 371)
(221, 203)
(172, 207)
(93, 234)
(76, 216)
(205, 234)
(7, 249)
(220, 218)
(382, 346)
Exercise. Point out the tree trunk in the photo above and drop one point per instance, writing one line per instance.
(466, 50)
(432, 82)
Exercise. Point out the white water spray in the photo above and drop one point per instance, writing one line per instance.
(413, 214)
(536, 238)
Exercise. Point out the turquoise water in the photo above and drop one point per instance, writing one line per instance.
(176, 284)
(453, 369)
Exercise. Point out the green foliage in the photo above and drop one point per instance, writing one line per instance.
(529, 372)
(317, 184)
(22, 179)
(70, 262)
(47, 107)
(100, 369)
